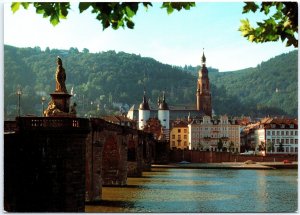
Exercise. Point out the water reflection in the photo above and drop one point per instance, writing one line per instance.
(196, 190)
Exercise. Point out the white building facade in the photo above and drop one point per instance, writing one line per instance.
(278, 136)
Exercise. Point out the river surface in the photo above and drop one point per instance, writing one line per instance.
(203, 190)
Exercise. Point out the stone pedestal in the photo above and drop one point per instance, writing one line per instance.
(59, 105)
(61, 101)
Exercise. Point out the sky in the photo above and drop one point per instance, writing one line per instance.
(175, 39)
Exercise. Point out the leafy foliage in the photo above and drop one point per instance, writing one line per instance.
(282, 24)
(102, 80)
(110, 14)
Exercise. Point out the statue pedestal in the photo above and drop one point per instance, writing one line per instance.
(59, 105)
(61, 101)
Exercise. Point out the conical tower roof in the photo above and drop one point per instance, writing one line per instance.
(163, 105)
(144, 105)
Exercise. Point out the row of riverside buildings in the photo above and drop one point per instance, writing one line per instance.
(197, 129)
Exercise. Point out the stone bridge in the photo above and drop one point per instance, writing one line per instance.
(56, 164)
(113, 153)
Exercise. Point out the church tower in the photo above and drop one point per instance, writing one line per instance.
(164, 113)
(203, 94)
(144, 112)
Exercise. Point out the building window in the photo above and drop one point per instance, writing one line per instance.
(292, 133)
(173, 136)
(287, 141)
(286, 149)
(292, 126)
(268, 133)
(292, 149)
(296, 149)
(292, 141)
(179, 130)
(278, 133)
(287, 133)
(296, 141)
(296, 132)
(282, 133)
(277, 141)
(185, 137)
(273, 133)
(185, 130)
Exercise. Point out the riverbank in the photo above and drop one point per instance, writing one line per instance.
(230, 165)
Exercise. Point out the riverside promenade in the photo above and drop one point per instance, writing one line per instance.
(230, 165)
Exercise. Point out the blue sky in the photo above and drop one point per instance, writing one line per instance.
(176, 39)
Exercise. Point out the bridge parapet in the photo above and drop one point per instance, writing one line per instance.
(45, 165)
(51, 123)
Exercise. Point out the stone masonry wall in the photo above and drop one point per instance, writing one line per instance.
(44, 167)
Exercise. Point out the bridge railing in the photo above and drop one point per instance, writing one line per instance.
(39, 123)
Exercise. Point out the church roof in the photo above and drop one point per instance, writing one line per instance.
(163, 105)
(144, 105)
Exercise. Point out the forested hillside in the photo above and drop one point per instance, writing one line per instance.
(101, 81)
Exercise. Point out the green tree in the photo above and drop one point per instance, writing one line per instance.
(220, 144)
(269, 146)
(110, 14)
(231, 146)
(280, 148)
(282, 23)
(262, 146)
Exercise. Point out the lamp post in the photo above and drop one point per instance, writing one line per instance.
(19, 93)
(43, 100)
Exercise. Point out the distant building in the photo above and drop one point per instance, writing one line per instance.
(277, 135)
(166, 115)
(121, 120)
(205, 133)
(179, 135)
(154, 127)
(203, 94)
(248, 142)
(144, 113)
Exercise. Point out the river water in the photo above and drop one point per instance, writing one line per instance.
(203, 190)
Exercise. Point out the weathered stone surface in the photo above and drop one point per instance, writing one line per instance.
(45, 166)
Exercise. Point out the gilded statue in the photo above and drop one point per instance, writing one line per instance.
(60, 76)
(52, 110)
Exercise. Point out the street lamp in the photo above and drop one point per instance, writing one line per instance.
(19, 93)
(43, 100)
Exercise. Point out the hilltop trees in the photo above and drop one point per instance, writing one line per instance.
(108, 78)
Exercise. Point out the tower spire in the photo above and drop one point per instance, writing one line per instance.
(203, 94)
(203, 59)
